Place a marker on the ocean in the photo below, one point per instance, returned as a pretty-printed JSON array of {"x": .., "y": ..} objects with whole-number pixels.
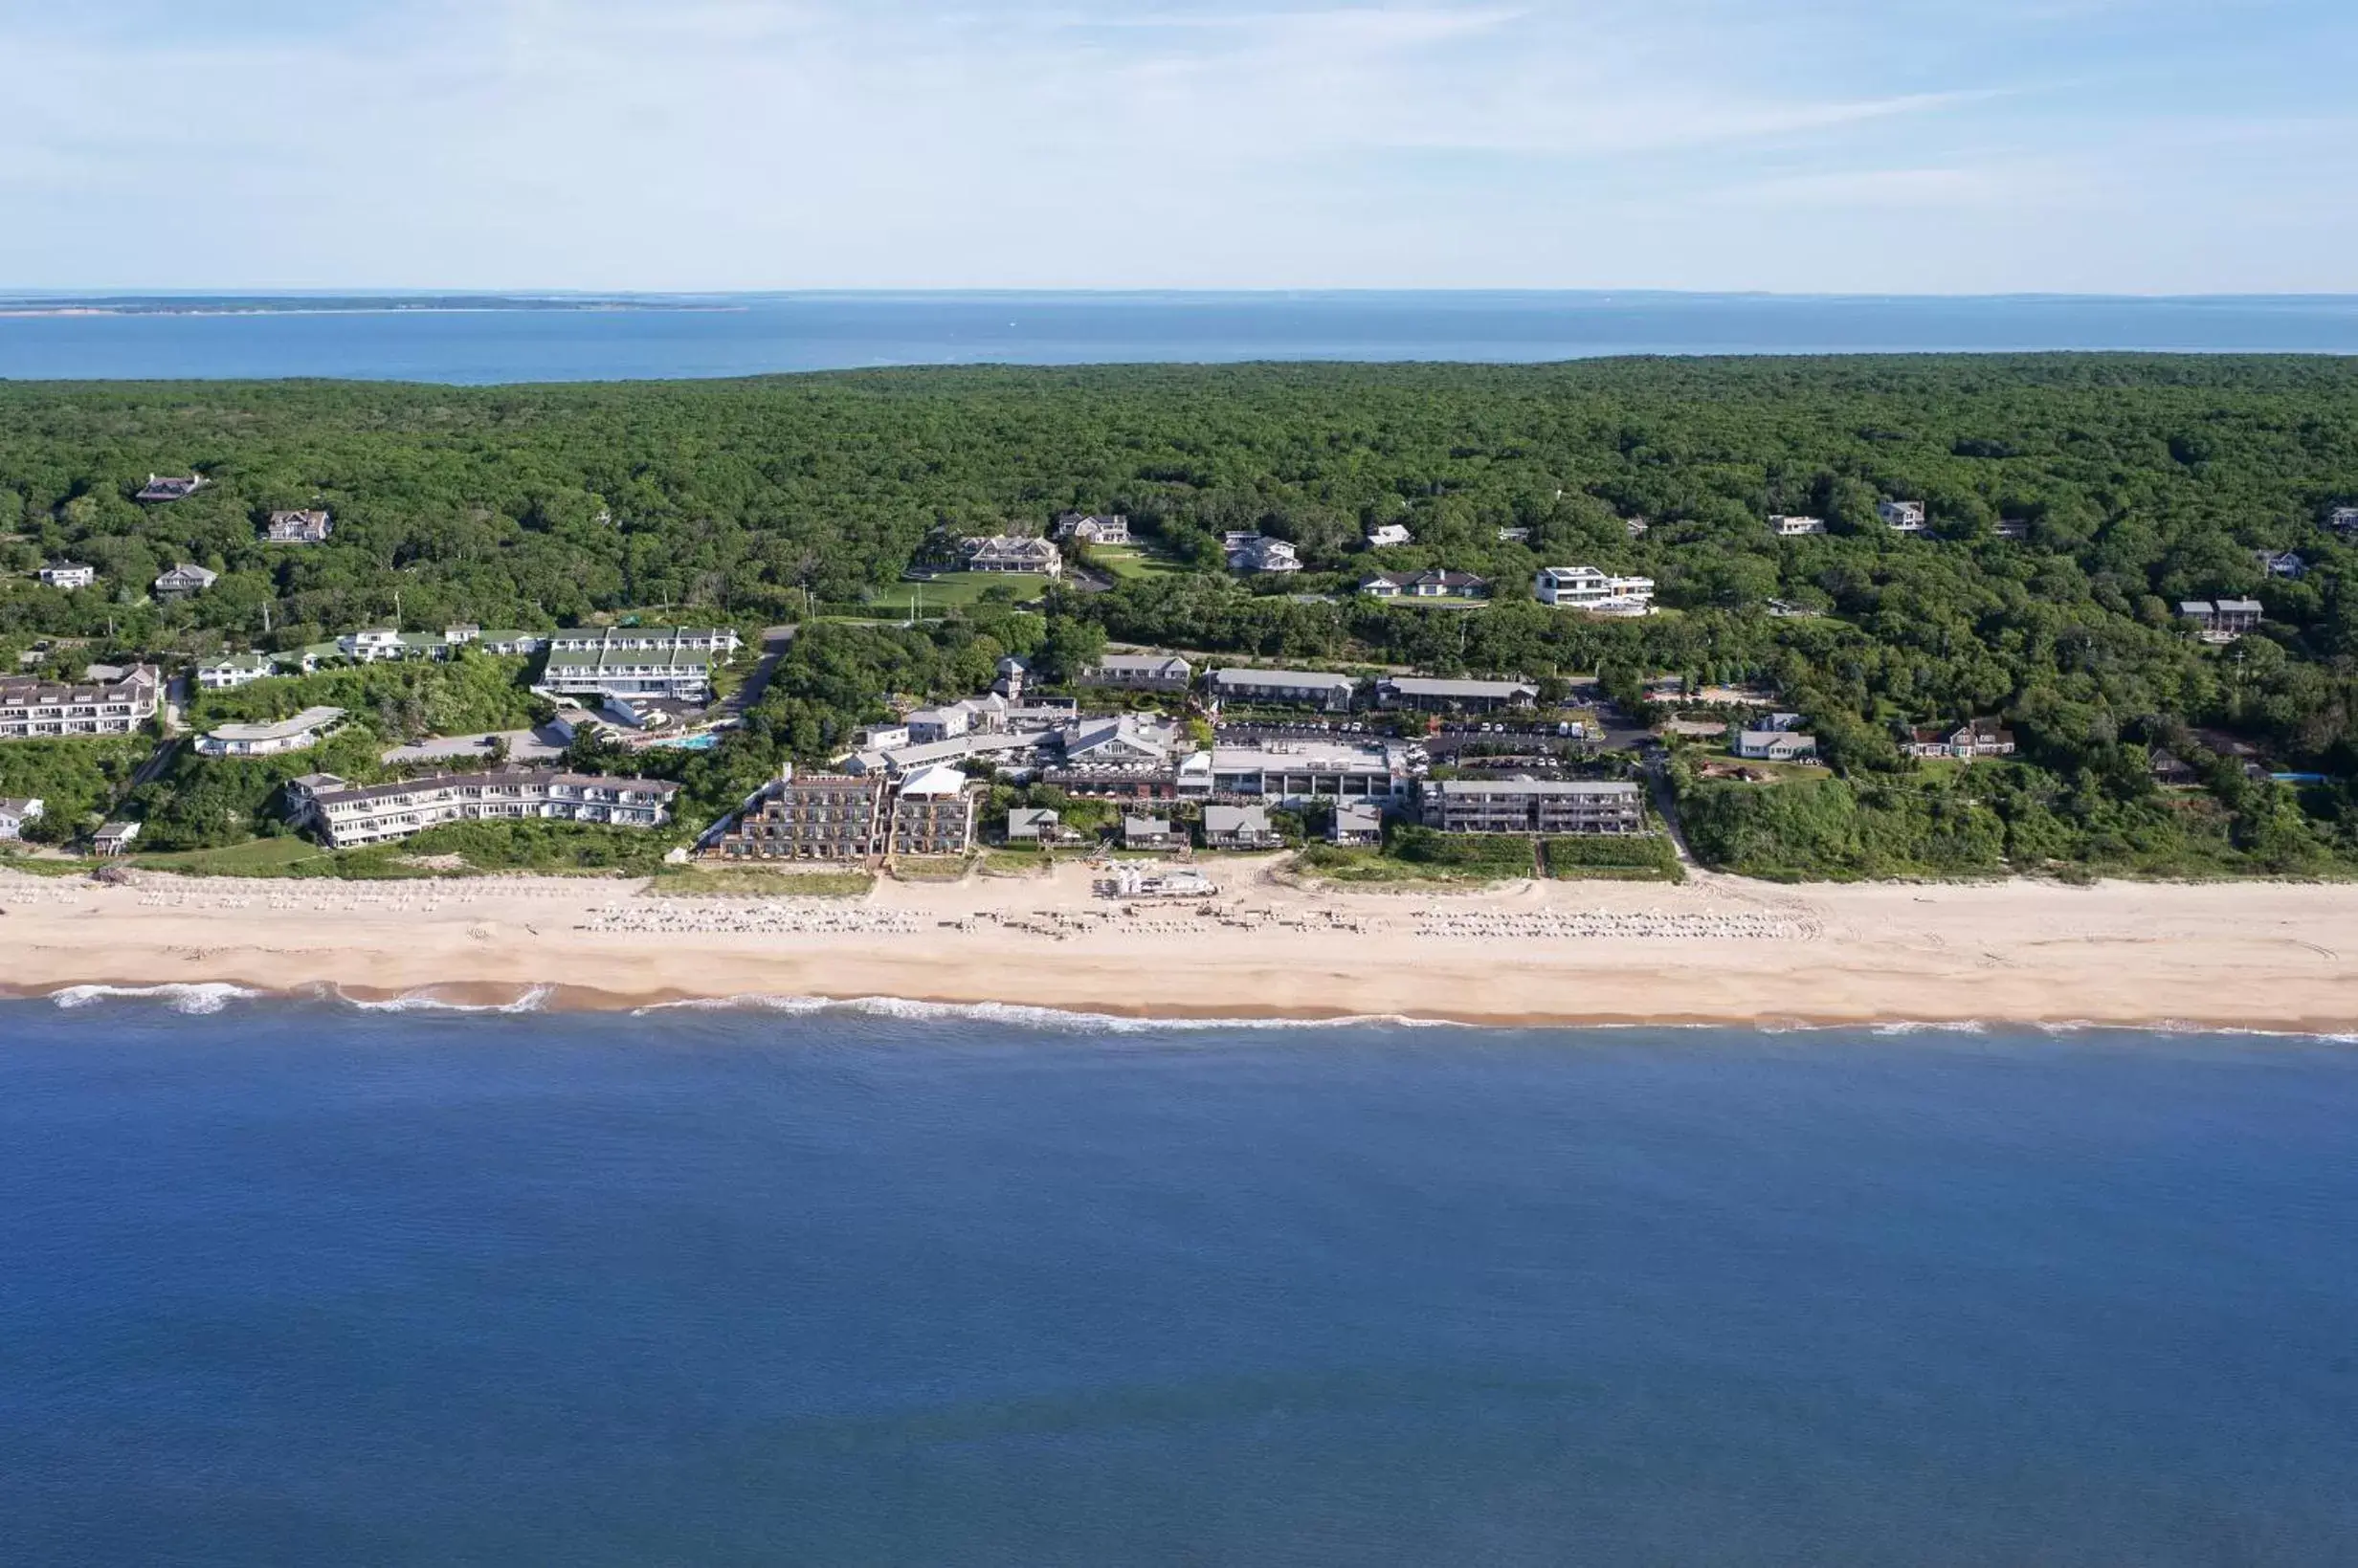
[
  {"x": 289, "y": 1282},
  {"x": 757, "y": 333}
]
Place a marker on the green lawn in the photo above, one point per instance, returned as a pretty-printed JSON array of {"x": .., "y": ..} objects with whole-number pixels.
[
  {"x": 954, "y": 591},
  {"x": 1129, "y": 563}
]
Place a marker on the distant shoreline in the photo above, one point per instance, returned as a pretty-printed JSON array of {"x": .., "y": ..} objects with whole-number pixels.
[{"x": 33, "y": 310}]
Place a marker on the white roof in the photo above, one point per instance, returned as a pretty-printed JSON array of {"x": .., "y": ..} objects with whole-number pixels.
[
  {"x": 283, "y": 729},
  {"x": 938, "y": 780}
]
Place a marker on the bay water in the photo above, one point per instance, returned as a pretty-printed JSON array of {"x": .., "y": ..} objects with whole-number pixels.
[{"x": 297, "y": 1282}]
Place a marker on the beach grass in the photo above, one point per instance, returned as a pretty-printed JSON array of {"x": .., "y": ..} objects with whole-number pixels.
[
  {"x": 256, "y": 858},
  {"x": 1646, "y": 858}
]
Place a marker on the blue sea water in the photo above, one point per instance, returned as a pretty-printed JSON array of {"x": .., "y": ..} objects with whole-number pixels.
[
  {"x": 748, "y": 335},
  {"x": 289, "y": 1283}
]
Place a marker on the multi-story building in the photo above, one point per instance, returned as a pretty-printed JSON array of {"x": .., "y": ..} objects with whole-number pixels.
[
  {"x": 2343, "y": 519},
  {"x": 33, "y": 709},
  {"x": 1240, "y": 828},
  {"x": 1788, "y": 527},
  {"x": 1140, "y": 672},
  {"x": 1299, "y": 772},
  {"x": 310, "y": 527},
  {"x": 68, "y": 575},
  {"x": 1283, "y": 688},
  {"x": 1534, "y": 806},
  {"x": 1427, "y": 694},
  {"x": 634, "y": 661},
  {"x": 933, "y": 813},
  {"x": 1584, "y": 587},
  {"x": 2221, "y": 621},
  {"x": 1356, "y": 825},
  {"x": 1976, "y": 738},
  {"x": 232, "y": 670},
  {"x": 811, "y": 816},
  {"x": 374, "y": 644},
  {"x": 345, "y": 814},
  {"x": 15, "y": 813},
  {"x": 1259, "y": 553},
  {"x": 1094, "y": 527},
  {"x": 1901, "y": 517},
  {"x": 1010, "y": 553}
]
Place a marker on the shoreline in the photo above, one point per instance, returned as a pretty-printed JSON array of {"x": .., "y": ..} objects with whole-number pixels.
[{"x": 1715, "y": 952}]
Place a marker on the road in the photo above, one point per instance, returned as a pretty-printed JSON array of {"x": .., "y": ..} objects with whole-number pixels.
[{"x": 775, "y": 641}]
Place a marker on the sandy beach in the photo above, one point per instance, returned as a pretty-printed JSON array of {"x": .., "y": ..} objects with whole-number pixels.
[{"x": 1716, "y": 950}]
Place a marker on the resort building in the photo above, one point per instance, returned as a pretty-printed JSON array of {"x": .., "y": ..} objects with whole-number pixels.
[
  {"x": 15, "y": 813},
  {"x": 1300, "y": 772},
  {"x": 114, "y": 839},
  {"x": 185, "y": 580},
  {"x": 1429, "y": 695},
  {"x": 1283, "y": 688},
  {"x": 1901, "y": 517},
  {"x": 1356, "y": 825},
  {"x": 973, "y": 715},
  {"x": 1240, "y": 828},
  {"x": 1788, "y": 527},
  {"x": 811, "y": 816},
  {"x": 2221, "y": 621},
  {"x": 33, "y": 709},
  {"x": 1388, "y": 536},
  {"x": 1981, "y": 737},
  {"x": 1154, "y": 835},
  {"x": 1094, "y": 527},
  {"x": 1534, "y": 806},
  {"x": 345, "y": 814},
  {"x": 1010, "y": 553},
  {"x": 637, "y": 661},
  {"x": 1434, "y": 584},
  {"x": 299, "y": 733},
  {"x": 68, "y": 575},
  {"x": 1259, "y": 553},
  {"x": 1140, "y": 672},
  {"x": 232, "y": 670},
  {"x": 298, "y": 528},
  {"x": 933, "y": 813},
  {"x": 161, "y": 487},
  {"x": 1586, "y": 588}
]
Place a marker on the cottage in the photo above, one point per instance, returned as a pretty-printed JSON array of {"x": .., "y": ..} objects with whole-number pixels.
[
  {"x": 2013, "y": 530},
  {"x": 33, "y": 709},
  {"x": 1010, "y": 553},
  {"x": 1388, "y": 536},
  {"x": 1258, "y": 553},
  {"x": 2284, "y": 564},
  {"x": 1153, "y": 834},
  {"x": 1775, "y": 745},
  {"x": 1785, "y": 610},
  {"x": 2343, "y": 519},
  {"x": 1425, "y": 584},
  {"x": 969, "y": 716},
  {"x": 1792, "y": 527},
  {"x": 68, "y": 575},
  {"x": 1356, "y": 825},
  {"x": 1094, "y": 527},
  {"x": 1426, "y": 694},
  {"x": 1534, "y": 806},
  {"x": 185, "y": 580},
  {"x": 167, "y": 488},
  {"x": 1599, "y": 593},
  {"x": 1977, "y": 737},
  {"x": 1514, "y": 535},
  {"x": 344, "y": 814},
  {"x": 15, "y": 813},
  {"x": 114, "y": 839},
  {"x": 232, "y": 670},
  {"x": 1635, "y": 527},
  {"x": 2169, "y": 768},
  {"x": 1039, "y": 825},
  {"x": 310, "y": 527},
  {"x": 1283, "y": 688},
  {"x": 1140, "y": 672},
  {"x": 1901, "y": 517},
  {"x": 1240, "y": 828},
  {"x": 297, "y": 734}
]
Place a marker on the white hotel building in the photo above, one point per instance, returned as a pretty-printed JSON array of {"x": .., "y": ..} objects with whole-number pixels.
[
  {"x": 345, "y": 814},
  {"x": 1600, "y": 593}
]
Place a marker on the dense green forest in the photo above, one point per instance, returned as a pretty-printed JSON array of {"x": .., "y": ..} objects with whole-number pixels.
[{"x": 2140, "y": 479}]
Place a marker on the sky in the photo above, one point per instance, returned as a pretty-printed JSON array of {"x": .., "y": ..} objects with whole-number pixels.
[{"x": 1927, "y": 146}]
